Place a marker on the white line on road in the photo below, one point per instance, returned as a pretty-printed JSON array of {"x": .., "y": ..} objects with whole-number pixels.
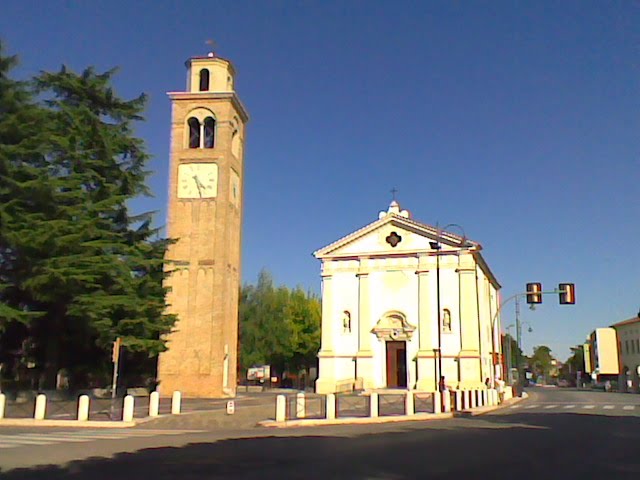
[
  {"x": 547, "y": 407},
  {"x": 609, "y": 407},
  {"x": 529, "y": 407},
  {"x": 569, "y": 406},
  {"x": 589, "y": 407},
  {"x": 628, "y": 407},
  {"x": 515, "y": 406}
]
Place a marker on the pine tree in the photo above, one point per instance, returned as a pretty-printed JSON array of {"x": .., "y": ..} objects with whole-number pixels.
[{"x": 95, "y": 271}]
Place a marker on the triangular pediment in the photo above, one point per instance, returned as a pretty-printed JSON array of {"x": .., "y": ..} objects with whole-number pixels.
[{"x": 392, "y": 235}]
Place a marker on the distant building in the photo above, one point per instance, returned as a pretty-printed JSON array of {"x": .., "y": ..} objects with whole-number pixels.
[
  {"x": 628, "y": 333},
  {"x": 381, "y": 326},
  {"x": 603, "y": 353}
]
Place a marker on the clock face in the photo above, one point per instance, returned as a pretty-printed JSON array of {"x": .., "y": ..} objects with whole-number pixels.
[{"x": 197, "y": 180}]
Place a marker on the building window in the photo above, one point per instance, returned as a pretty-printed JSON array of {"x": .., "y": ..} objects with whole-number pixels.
[
  {"x": 626, "y": 346},
  {"x": 194, "y": 132},
  {"x": 204, "y": 80},
  {"x": 393, "y": 239},
  {"x": 637, "y": 345},
  {"x": 446, "y": 321},
  {"x": 346, "y": 322},
  {"x": 209, "y": 132}
]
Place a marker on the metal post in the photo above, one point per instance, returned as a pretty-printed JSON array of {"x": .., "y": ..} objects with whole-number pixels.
[
  {"x": 438, "y": 315},
  {"x": 115, "y": 357},
  {"x": 519, "y": 343},
  {"x": 509, "y": 338}
]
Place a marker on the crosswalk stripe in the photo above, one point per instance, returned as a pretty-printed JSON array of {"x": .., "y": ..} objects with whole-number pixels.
[
  {"x": 26, "y": 439},
  {"x": 609, "y": 407},
  {"x": 589, "y": 407},
  {"x": 628, "y": 407}
]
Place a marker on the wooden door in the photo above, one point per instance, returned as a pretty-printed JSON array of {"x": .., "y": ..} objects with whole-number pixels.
[{"x": 396, "y": 365}]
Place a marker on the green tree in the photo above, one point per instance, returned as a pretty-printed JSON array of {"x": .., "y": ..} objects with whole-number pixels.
[
  {"x": 541, "y": 362},
  {"x": 90, "y": 269},
  {"x": 278, "y": 326}
]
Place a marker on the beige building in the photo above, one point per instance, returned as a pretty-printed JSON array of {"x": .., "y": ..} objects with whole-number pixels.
[
  {"x": 628, "y": 337},
  {"x": 381, "y": 325},
  {"x": 204, "y": 217},
  {"x": 603, "y": 353}
]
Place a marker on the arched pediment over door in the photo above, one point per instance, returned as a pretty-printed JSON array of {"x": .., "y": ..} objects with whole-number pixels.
[{"x": 393, "y": 326}]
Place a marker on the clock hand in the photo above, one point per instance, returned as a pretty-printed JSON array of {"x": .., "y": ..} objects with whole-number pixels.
[{"x": 199, "y": 185}]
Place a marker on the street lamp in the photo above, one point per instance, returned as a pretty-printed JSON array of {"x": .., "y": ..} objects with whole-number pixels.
[{"x": 437, "y": 246}]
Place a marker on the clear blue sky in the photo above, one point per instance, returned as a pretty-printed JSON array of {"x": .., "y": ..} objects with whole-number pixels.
[{"x": 517, "y": 120}]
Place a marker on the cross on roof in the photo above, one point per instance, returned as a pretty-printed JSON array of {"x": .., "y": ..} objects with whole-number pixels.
[{"x": 394, "y": 190}]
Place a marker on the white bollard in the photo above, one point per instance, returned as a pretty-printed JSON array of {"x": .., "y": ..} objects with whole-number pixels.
[
  {"x": 472, "y": 396},
  {"x": 281, "y": 408},
  {"x": 446, "y": 401},
  {"x": 466, "y": 399},
  {"x": 301, "y": 405},
  {"x": 41, "y": 407},
  {"x": 373, "y": 405},
  {"x": 154, "y": 404},
  {"x": 409, "y": 407},
  {"x": 485, "y": 397},
  {"x": 437, "y": 402},
  {"x": 3, "y": 401},
  {"x": 459, "y": 407},
  {"x": 496, "y": 397},
  {"x": 176, "y": 401},
  {"x": 331, "y": 406},
  {"x": 127, "y": 410},
  {"x": 83, "y": 408}
]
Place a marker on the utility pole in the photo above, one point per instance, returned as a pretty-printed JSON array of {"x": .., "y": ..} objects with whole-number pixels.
[{"x": 519, "y": 348}]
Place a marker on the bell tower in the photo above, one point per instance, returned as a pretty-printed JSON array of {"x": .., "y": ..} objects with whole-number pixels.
[{"x": 205, "y": 219}]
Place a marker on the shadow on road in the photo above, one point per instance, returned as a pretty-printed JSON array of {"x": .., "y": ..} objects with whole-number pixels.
[{"x": 526, "y": 446}]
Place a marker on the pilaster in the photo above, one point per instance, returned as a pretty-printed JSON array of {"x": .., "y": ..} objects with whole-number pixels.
[
  {"x": 426, "y": 360},
  {"x": 328, "y": 320}
]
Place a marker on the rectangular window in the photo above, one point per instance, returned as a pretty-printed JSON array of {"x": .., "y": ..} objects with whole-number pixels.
[
  {"x": 626, "y": 346},
  {"x": 637, "y": 345}
]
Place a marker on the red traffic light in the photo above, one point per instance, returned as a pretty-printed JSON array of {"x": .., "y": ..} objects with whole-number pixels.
[
  {"x": 567, "y": 292},
  {"x": 534, "y": 293}
]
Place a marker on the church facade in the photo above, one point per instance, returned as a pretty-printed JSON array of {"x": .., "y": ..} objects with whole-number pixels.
[{"x": 405, "y": 304}]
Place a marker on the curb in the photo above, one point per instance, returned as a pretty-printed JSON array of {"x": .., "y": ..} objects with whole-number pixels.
[
  {"x": 355, "y": 420},
  {"x": 485, "y": 410},
  {"x": 30, "y": 422}
]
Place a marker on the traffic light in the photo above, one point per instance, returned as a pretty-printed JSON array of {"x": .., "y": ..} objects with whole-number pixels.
[
  {"x": 567, "y": 292},
  {"x": 534, "y": 293}
]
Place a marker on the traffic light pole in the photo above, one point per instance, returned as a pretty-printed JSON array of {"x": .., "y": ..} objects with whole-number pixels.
[{"x": 516, "y": 297}]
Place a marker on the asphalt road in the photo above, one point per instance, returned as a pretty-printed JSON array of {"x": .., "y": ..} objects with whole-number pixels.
[{"x": 549, "y": 435}]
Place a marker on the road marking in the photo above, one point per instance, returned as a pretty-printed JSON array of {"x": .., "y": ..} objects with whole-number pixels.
[
  {"x": 589, "y": 407},
  {"x": 529, "y": 407},
  {"x": 547, "y": 407},
  {"x": 609, "y": 407},
  {"x": 26, "y": 439},
  {"x": 569, "y": 406},
  {"x": 629, "y": 407},
  {"x": 515, "y": 406}
]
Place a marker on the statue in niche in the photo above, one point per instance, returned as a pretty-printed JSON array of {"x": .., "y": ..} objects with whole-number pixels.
[
  {"x": 446, "y": 320},
  {"x": 346, "y": 322}
]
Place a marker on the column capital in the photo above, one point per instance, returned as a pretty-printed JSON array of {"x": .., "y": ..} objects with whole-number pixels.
[{"x": 466, "y": 270}]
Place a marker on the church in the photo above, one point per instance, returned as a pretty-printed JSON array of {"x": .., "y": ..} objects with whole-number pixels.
[{"x": 405, "y": 304}]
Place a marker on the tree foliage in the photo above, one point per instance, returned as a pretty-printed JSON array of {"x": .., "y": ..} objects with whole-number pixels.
[
  {"x": 278, "y": 326},
  {"x": 77, "y": 269},
  {"x": 541, "y": 362}
]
